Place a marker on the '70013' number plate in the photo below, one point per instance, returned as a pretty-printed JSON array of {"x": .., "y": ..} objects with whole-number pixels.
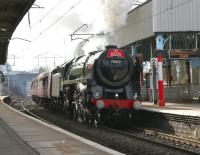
[{"x": 115, "y": 61}]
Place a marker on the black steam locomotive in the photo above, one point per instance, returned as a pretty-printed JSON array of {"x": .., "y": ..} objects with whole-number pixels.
[{"x": 103, "y": 86}]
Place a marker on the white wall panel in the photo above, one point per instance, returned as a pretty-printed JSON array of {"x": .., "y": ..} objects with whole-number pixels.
[
  {"x": 139, "y": 26},
  {"x": 176, "y": 15}
]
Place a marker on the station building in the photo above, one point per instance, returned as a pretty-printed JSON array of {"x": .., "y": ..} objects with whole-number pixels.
[{"x": 170, "y": 28}]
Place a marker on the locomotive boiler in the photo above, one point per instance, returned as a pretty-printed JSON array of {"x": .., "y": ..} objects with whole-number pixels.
[{"x": 101, "y": 87}]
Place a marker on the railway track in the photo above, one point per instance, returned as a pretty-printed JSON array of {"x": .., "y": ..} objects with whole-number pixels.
[
  {"x": 15, "y": 101},
  {"x": 19, "y": 103},
  {"x": 171, "y": 117},
  {"x": 159, "y": 138},
  {"x": 184, "y": 119}
]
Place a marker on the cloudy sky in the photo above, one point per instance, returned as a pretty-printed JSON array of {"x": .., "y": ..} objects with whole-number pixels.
[{"x": 51, "y": 25}]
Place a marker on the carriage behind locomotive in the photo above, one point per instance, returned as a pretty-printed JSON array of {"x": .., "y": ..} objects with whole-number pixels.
[{"x": 101, "y": 86}]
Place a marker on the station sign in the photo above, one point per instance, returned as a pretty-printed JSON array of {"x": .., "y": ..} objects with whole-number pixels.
[{"x": 183, "y": 54}]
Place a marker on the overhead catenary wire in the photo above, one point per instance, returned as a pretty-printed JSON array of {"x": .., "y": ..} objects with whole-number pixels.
[
  {"x": 125, "y": 12},
  {"x": 45, "y": 15},
  {"x": 53, "y": 23},
  {"x": 57, "y": 20},
  {"x": 107, "y": 19},
  {"x": 110, "y": 18}
]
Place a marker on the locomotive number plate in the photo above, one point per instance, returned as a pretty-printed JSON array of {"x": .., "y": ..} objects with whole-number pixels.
[{"x": 115, "y": 61}]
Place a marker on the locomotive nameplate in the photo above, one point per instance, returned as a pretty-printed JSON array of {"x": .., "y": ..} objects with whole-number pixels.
[{"x": 116, "y": 53}]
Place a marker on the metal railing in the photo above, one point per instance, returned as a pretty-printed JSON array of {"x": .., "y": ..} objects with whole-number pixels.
[{"x": 177, "y": 92}]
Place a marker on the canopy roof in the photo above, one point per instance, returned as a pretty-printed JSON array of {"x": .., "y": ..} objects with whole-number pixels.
[{"x": 11, "y": 13}]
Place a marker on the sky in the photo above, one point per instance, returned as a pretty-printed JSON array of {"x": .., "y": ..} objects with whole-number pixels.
[{"x": 48, "y": 35}]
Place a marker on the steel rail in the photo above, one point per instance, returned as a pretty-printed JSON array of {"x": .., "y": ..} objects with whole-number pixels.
[
  {"x": 163, "y": 139},
  {"x": 21, "y": 102}
]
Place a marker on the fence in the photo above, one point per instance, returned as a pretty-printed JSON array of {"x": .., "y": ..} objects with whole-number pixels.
[{"x": 176, "y": 93}]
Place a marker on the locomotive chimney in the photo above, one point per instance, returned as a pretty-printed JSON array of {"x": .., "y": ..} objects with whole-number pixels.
[{"x": 111, "y": 47}]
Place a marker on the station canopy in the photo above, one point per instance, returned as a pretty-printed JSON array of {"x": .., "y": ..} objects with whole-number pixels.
[{"x": 11, "y": 13}]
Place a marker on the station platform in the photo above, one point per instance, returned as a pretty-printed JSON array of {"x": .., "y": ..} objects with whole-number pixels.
[
  {"x": 186, "y": 109},
  {"x": 21, "y": 134}
]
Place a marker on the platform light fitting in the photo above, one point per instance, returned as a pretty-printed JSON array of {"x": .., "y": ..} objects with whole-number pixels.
[{"x": 3, "y": 29}]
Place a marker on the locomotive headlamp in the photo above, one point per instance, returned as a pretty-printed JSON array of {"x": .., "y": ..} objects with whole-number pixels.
[
  {"x": 137, "y": 105},
  {"x": 100, "y": 104},
  {"x": 116, "y": 95}
]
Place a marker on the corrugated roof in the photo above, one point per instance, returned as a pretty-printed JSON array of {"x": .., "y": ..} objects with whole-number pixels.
[{"x": 139, "y": 5}]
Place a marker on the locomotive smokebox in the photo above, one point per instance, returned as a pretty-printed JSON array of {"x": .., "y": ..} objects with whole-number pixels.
[
  {"x": 110, "y": 47},
  {"x": 114, "y": 67}
]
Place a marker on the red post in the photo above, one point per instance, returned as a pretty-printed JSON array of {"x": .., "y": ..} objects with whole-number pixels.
[{"x": 160, "y": 81}]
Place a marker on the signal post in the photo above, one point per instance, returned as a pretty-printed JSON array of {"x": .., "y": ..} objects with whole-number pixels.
[
  {"x": 160, "y": 52},
  {"x": 160, "y": 81}
]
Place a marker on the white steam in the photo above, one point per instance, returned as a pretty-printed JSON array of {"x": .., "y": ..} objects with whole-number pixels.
[
  {"x": 102, "y": 16},
  {"x": 95, "y": 43},
  {"x": 115, "y": 13}
]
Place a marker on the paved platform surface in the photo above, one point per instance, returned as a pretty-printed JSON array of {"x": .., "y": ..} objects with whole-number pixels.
[
  {"x": 11, "y": 144},
  {"x": 41, "y": 137},
  {"x": 174, "y": 108}
]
